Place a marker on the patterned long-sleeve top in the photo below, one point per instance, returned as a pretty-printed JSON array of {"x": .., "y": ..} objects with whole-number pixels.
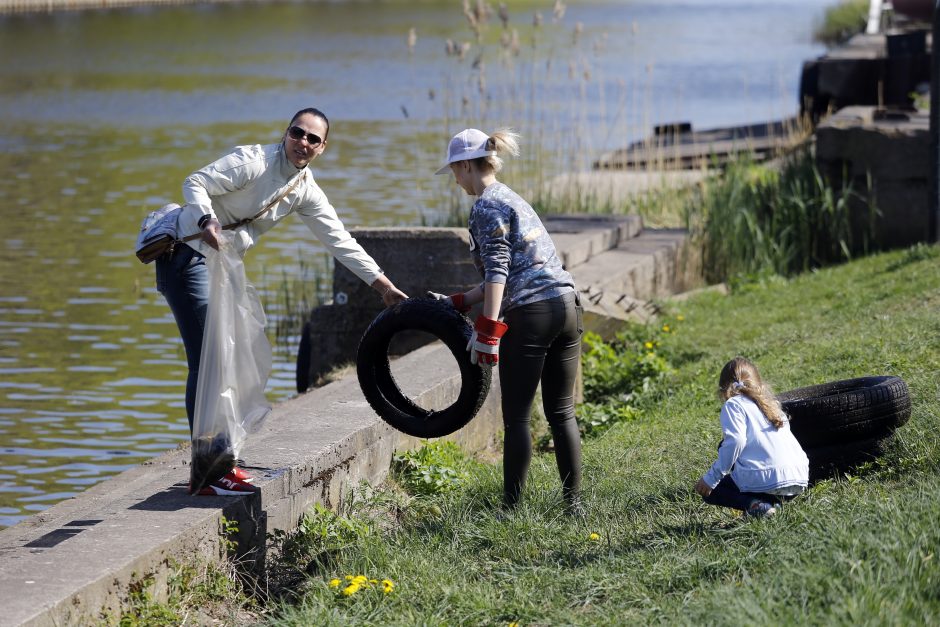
[{"x": 511, "y": 246}]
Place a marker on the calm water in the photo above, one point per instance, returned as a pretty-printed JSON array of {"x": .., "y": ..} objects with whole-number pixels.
[{"x": 102, "y": 114}]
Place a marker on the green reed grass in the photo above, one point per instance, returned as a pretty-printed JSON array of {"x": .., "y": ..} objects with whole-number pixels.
[
  {"x": 287, "y": 300},
  {"x": 842, "y": 21},
  {"x": 756, "y": 219}
]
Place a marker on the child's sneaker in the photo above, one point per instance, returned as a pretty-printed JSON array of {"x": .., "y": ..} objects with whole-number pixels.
[
  {"x": 760, "y": 509},
  {"x": 229, "y": 485}
]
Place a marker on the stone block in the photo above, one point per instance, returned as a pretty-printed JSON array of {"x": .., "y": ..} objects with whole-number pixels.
[
  {"x": 416, "y": 260},
  {"x": 883, "y": 157}
]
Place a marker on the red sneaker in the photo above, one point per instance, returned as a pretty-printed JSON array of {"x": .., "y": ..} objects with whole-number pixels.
[
  {"x": 241, "y": 475},
  {"x": 229, "y": 485}
]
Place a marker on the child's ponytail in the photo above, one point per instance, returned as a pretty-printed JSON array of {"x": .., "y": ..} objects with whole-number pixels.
[{"x": 740, "y": 376}]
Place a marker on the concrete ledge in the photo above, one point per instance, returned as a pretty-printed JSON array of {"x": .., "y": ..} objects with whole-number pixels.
[
  {"x": 74, "y": 562},
  {"x": 644, "y": 267},
  {"x": 578, "y": 238}
]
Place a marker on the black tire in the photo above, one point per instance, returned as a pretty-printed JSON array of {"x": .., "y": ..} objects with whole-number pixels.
[
  {"x": 379, "y": 387},
  {"x": 829, "y": 461},
  {"x": 840, "y": 412}
]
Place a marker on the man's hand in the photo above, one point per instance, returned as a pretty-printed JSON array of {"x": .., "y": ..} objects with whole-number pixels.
[
  {"x": 484, "y": 343},
  {"x": 702, "y": 488},
  {"x": 454, "y": 300},
  {"x": 212, "y": 233}
]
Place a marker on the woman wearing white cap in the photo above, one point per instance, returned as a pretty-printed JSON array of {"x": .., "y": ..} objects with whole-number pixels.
[{"x": 524, "y": 282}]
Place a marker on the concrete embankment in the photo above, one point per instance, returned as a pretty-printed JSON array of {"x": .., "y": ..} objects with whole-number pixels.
[{"x": 76, "y": 562}]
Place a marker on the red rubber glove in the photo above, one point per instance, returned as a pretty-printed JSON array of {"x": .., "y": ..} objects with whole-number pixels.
[
  {"x": 454, "y": 300},
  {"x": 484, "y": 343},
  {"x": 457, "y": 301}
]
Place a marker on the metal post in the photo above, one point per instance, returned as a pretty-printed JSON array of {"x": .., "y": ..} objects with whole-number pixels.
[
  {"x": 874, "y": 17},
  {"x": 933, "y": 220}
]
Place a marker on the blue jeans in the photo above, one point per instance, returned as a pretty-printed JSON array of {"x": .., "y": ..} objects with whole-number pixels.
[
  {"x": 727, "y": 494},
  {"x": 183, "y": 280}
]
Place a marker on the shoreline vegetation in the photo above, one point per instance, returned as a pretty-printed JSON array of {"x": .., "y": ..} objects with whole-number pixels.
[{"x": 841, "y": 22}]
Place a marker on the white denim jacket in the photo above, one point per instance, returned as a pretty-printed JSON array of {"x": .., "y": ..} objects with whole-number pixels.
[
  {"x": 759, "y": 456},
  {"x": 241, "y": 183}
]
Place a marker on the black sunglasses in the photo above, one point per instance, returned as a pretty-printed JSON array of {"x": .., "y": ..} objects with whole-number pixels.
[{"x": 297, "y": 133}]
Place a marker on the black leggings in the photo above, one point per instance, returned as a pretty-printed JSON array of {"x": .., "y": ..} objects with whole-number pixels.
[{"x": 543, "y": 343}]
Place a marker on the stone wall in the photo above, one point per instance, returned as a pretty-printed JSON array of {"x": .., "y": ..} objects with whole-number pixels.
[
  {"x": 416, "y": 259},
  {"x": 883, "y": 156}
]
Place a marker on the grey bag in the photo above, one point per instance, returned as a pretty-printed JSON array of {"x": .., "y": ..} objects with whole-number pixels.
[{"x": 157, "y": 235}]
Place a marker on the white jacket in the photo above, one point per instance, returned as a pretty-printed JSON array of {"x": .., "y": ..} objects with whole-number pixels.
[
  {"x": 759, "y": 456},
  {"x": 241, "y": 183}
]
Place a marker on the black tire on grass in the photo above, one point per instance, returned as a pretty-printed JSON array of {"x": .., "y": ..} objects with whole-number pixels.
[
  {"x": 838, "y": 413},
  {"x": 379, "y": 387},
  {"x": 830, "y": 461}
]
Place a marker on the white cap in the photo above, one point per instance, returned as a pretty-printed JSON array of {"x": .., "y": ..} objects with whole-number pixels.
[{"x": 469, "y": 143}]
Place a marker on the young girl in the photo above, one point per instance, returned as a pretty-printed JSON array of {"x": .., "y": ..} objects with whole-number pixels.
[
  {"x": 539, "y": 338},
  {"x": 760, "y": 464}
]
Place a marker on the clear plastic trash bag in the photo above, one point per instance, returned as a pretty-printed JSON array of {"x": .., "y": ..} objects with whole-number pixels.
[{"x": 233, "y": 371}]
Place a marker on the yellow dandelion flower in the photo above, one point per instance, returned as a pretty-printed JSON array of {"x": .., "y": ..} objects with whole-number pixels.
[
  {"x": 665, "y": 328},
  {"x": 349, "y": 577},
  {"x": 373, "y": 581},
  {"x": 680, "y": 317},
  {"x": 351, "y": 589},
  {"x": 513, "y": 624},
  {"x": 360, "y": 579},
  {"x": 387, "y": 586},
  {"x": 648, "y": 345},
  {"x": 334, "y": 583},
  {"x": 594, "y": 537}
]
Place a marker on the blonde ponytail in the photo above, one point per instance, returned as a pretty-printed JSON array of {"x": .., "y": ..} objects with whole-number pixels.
[
  {"x": 504, "y": 140},
  {"x": 740, "y": 376}
]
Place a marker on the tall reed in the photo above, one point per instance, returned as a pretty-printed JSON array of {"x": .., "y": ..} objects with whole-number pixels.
[
  {"x": 756, "y": 219},
  {"x": 842, "y": 21}
]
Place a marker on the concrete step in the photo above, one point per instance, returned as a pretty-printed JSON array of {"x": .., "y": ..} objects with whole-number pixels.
[
  {"x": 578, "y": 238},
  {"x": 643, "y": 267},
  {"x": 621, "y": 285}
]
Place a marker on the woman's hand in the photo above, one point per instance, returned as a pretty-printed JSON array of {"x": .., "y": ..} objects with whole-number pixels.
[
  {"x": 392, "y": 296},
  {"x": 212, "y": 233},
  {"x": 702, "y": 488}
]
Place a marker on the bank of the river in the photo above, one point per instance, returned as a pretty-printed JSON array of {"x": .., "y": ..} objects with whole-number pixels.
[
  {"x": 104, "y": 112},
  {"x": 859, "y": 548}
]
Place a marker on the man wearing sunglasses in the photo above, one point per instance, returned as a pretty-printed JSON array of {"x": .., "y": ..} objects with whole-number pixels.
[{"x": 248, "y": 191}]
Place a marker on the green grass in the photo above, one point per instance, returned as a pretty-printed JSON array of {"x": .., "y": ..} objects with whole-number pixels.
[
  {"x": 858, "y": 549},
  {"x": 842, "y": 21}
]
